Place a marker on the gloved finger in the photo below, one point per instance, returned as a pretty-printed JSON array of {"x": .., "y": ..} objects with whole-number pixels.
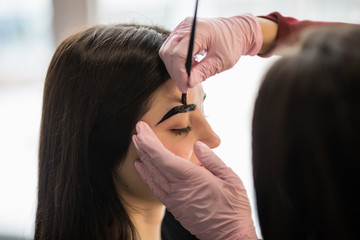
[
  {"x": 138, "y": 149},
  {"x": 208, "y": 67},
  {"x": 174, "y": 59},
  {"x": 146, "y": 140},
  {"x": 179, "y": 55},
  {"x": 168, "y": 41},
  {"x": 166, "y": 50},
  {"x": 148, "y": 179},
  {"x": 178, "y": 70},
  {"x": 183, "y": 26},
  {"x": 171, "y": 166},
  {"x": 215, "y": 165},
  {"x": 173, "y": 34},
  {"x": 165, "y": 45},
  {"x": 210, "y": 160},
  {"x": 146, "y": 160},
  {"x": 157, "y": 176}
]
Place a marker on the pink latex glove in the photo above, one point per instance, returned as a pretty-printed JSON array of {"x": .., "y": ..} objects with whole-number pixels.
[
  {"x": 209, "y": 201},
  {"x": 224, "y": 39}
]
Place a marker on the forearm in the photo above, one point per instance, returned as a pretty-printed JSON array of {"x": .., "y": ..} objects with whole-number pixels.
[
  {"x": 279, "y": 30},
  {"x": 269, "y": 30}
]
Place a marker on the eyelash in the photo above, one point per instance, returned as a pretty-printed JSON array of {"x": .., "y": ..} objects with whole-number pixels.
[{"x": 181, "y": 131}]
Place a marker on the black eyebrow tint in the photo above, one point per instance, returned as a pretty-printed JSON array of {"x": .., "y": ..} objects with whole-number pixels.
[{"x": 176, "y": 110}]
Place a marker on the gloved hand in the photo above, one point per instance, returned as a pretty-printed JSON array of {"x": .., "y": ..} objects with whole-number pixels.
[
  {"x": 224, "y": 39},
  {"x": 210, "y": 200}
]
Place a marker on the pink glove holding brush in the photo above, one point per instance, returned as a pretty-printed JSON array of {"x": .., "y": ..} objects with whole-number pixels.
[{"x": 224, "y": 39}]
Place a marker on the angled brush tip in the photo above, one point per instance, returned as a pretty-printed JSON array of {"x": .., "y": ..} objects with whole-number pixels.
[{"x": 184, "y": 98}]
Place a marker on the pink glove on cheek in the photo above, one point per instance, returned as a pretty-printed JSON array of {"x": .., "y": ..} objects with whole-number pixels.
[
  {"x": 209, "y": 201},
  {"x": 224, "y": 39}
]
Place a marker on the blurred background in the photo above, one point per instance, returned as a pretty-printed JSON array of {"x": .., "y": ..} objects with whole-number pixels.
[{"x": 29, "y": 34}]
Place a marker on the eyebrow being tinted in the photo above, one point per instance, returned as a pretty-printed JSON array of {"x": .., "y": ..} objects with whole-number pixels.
[{"x": 176, "y": 110}]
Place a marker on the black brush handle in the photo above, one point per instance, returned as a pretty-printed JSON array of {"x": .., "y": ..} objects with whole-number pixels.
[{"x": 191, "y": 44}]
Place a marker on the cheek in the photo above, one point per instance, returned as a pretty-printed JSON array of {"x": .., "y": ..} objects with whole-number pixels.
[
  {"x": 179, "y": 145},
  {"x": 129, "y": 184}
]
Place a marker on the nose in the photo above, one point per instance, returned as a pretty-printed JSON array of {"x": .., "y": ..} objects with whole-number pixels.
[{"x": 207, "y": 135}]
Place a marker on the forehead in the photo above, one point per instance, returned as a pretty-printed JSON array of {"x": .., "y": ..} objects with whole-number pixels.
[
  {"x": 169, "y": 94},
  {"x": 167, "y": 97}
]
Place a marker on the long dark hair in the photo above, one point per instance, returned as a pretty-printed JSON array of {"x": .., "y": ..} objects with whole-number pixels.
[
  {"x": 99, "y": 83},
  {"x": 306, "y": 138}
]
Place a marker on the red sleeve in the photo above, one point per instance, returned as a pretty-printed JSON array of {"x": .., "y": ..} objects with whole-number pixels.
[{"x": 289, "y": 29}]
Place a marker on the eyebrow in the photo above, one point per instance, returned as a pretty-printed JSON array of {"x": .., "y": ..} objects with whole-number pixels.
[{"x": 176, "y": 110}]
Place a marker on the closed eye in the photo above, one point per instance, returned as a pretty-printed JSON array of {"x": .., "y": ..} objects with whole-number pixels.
[{"x": 181, "y": 131}]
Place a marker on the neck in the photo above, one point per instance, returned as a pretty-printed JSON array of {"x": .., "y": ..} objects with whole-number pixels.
[{"x": 147, "y": 218}]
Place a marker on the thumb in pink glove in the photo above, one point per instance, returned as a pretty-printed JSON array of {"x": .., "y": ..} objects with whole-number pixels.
[
  {"x": 224, "y": 39},
  {"x": 209, "y": 201}
]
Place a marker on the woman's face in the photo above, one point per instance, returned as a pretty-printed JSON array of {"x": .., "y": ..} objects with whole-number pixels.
[{"x": 178, "y": 128}]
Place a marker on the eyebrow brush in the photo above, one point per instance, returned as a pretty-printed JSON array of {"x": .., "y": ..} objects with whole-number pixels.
[
  {"x": 189, "y": 57},
  {"x": 184, "y": 98}
]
